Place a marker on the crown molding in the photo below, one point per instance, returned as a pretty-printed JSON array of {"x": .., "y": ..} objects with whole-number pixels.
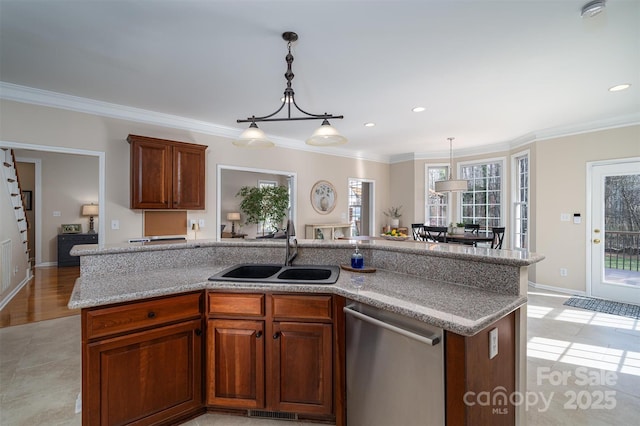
[{"x": 30, "y": 95}]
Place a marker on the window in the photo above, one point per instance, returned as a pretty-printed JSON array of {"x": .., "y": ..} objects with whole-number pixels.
[
  {"x": 482, "y": 204},
  {"x": 355, "y": 205},
  {"x": 436, "y": 204},
  {"x": 521, "y": 201}
]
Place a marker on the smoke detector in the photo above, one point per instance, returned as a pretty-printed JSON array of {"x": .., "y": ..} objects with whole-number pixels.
[{"x": 593, "y": 8}]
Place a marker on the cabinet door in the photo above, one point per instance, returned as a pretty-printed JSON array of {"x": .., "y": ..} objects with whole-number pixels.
[
  {"x": 188, "y": 177},
  {"x": 146, "y": 377},
  {"x": 235, "y": 363},
  {"x": 301, "y": 377},
  {"x": 150, "y": 174}
]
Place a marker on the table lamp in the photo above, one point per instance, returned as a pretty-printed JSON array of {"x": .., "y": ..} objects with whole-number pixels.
[
  {"x": 90, "y": 210},
  {"x": 195, "y": 227},
  {"x": 233, "y": 217}
]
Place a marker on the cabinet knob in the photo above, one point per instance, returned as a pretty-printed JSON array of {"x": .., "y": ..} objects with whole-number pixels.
[
  {"x": 275, "y": 336},
  {"x": 258, "y": 334},
  {"x": 198, "y": 332},
  {"x": 151, "y": 314}
]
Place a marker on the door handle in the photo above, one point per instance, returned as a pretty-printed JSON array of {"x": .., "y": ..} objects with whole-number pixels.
[{"x": 596, "y": 241}]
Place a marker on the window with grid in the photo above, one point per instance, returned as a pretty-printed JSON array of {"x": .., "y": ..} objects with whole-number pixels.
[
  {"x": 436, "y": 204},
  {"x": 355, "y": 205},
  {"x": 482, "y": 204},
  {"x": 521, "y": 203}
]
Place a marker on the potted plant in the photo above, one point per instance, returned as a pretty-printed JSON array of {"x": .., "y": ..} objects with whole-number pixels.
[
  {"x": 394, "y": 214},
  {"x": 457, "y": 228},
  {"x": 267, "y": 205}
]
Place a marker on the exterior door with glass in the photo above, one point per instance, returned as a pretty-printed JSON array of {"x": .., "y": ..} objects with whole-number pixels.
[{"x": 614, "y": 242}]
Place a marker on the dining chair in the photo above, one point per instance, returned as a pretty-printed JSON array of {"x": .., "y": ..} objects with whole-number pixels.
[
  {"x": 437, "y": 234},
  {"x": 418, "y": 231},
  {"x": 474, "y": 228},
  {"x": 498, "y": 236}
]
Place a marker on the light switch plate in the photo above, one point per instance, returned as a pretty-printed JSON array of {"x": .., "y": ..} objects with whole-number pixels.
[{"x": 493, "y": 343}]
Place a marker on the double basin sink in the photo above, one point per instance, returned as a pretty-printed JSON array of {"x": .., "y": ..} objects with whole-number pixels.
[{"x": 279, "y": 274}]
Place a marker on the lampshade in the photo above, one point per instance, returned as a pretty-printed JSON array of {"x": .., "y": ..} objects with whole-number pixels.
[
  {"x": 195, "y": 226},
  {"x": 326, "y": 135},
  {"x": 90, "y": 210},
  {"x": 451, "y": 185},
  {"x": 233, "y": 216},
  {"x": 253, "y": 137}
]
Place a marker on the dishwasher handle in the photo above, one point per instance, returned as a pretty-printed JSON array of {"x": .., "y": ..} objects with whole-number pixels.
[{"x": 366, "y": 318}]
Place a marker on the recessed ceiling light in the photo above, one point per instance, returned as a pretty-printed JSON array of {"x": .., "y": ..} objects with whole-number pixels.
[
  {"x": 369, "y": 124},
  {"x": 619, "y": 87},
  {"x": 418, "y": 109},
  {"x": 592, "y": 8}
]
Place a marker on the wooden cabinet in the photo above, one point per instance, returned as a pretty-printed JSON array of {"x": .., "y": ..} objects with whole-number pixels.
[
  {"x": 470, "y": 371},
  {"x": 66, "y": 243},
  {"x": 272, "y": 352},
  {"x": 166, "y": 174},
  {"x": 142, "y": 361}
]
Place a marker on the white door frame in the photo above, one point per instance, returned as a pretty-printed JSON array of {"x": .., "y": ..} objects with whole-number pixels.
[
  {"x": 101, "y": 187},
  {"x": 372, "y": 201},
  {"x": 589, "y": 216}
]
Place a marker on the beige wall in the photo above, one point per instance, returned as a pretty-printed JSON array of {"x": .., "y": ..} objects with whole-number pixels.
[
  {"x": 561, "y": 187},
  {"x": 404, "y": 185},
  {"x": 31, "y": 124},
  {"x": 558, "y": 185}
]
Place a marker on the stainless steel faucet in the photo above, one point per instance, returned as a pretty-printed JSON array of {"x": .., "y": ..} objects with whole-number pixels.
[{"x": 289, "y": 233}]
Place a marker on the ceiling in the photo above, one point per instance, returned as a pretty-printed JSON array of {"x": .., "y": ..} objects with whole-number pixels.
[{"x": 487, "y": 72}]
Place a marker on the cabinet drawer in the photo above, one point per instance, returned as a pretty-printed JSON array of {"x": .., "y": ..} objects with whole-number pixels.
[
  {"x": 301, "y": 307},
  {"x": 236, "y": 304},
  {"x": 118, "y": 319}
]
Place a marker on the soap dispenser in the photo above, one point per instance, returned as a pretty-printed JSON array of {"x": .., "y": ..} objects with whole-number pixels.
[{"x": 357, "y": 260}]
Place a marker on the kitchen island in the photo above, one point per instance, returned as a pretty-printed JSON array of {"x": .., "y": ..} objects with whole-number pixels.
[{"x": 461, "y": 289}]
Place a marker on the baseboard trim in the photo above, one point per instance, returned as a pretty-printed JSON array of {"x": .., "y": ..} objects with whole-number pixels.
[
  {"x": 557, "y": 289},
  {"x": 45, "y": 264},
  {"x": 5, "y": 301}
]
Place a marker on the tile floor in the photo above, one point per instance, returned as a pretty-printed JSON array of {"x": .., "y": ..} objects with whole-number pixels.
[{"x": 40, "y": 370}]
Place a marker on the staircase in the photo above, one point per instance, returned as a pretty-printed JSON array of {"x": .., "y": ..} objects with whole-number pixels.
[{"x": 10, "y": 177}]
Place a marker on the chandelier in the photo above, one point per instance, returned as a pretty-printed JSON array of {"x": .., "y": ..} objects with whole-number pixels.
[
  {"x": 451, "y": 185},
  {"x": 325, "y": 135}
]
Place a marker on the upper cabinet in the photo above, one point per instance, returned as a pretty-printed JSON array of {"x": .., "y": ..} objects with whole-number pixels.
[{"x": 166, "y": 174}]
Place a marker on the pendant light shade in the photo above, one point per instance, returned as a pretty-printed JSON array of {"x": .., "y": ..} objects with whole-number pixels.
[
  {"x": 451, "y": 185},
  {"x": 253, "y": 137},
  {"x": 326, "y": 135}
]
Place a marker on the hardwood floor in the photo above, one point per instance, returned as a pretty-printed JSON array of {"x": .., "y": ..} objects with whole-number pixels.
[{"x": 44, "y": 297}]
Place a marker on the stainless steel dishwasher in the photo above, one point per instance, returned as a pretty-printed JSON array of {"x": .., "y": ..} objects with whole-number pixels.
[{"x": 394, "y": 368}]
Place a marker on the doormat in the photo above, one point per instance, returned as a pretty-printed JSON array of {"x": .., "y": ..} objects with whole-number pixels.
[{"x": 604, "y": 306}]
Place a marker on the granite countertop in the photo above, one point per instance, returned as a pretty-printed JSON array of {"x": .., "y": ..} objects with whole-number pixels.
[
  {"x": 452, "y": 251},
  {"x": 457, "y": 308}
]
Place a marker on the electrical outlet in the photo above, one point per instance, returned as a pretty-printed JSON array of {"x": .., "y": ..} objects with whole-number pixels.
[
  {"x": 493, "y": 343},
  {"x": 56, "y": 214},
  {"x": 564, "y": 217},
  {"x": 201, "y": 223},
  {"x": 564, "y": 272},
  {"x": 115, "y": 224}
]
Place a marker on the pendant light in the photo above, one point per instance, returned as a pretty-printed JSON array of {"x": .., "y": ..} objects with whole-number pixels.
[
  {"x": 451, "y": 185},
  {"x": 325, "y": 135}
]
